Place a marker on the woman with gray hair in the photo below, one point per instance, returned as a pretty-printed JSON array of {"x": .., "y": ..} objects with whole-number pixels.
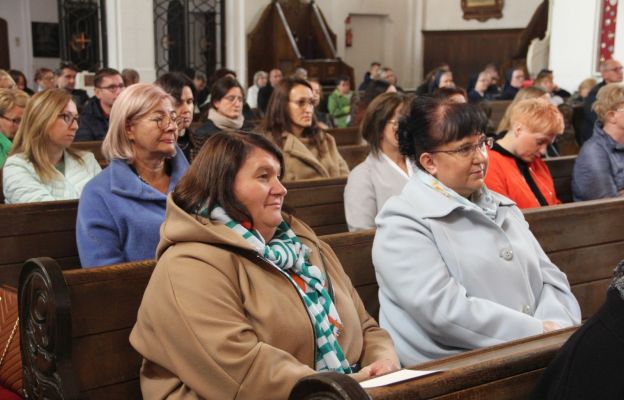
[
  {"x": 599, "y": 167},
  {"x": 121, "y": 209},
  {"x": 260, "y": 80}
]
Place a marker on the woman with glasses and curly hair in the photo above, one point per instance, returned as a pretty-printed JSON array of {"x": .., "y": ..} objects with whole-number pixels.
[
  {"x": 41, "y": 165},
  {"x": 121, "y": 210},
  {"x": 457, "y": 266},
  {"x": 309, "y": 152}
]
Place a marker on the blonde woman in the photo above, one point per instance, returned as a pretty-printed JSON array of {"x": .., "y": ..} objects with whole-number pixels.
[
  {"x": 41, "y": 165},
  {"x": 6, "y": 82},
  {"x": 12, "y": 103},
  {"x": 121, "y": 210}
]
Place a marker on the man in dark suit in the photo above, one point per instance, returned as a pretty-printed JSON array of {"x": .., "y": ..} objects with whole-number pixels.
[{"x": 66, "y": 79}]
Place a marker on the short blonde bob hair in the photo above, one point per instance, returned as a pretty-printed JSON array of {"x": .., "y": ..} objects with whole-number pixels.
[
  {"x": 133, "y": 104},
  {"x": 10, "y": 98},
  {"x": 538, "y": 115},
  {"x": 609, "y": 98},
  {"x": 32, "y": 137}
]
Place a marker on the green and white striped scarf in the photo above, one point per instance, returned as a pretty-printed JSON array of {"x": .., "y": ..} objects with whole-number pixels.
[{"x": 289, "y": 256}]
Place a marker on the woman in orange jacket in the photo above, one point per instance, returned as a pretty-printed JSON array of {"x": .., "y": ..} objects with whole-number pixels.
[{"x": 516, "y": 167}]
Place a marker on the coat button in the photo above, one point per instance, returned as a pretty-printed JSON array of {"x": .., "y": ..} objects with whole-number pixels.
[
  {"x": 506, "y": 254},
  {"x": 526, "y": 309}
]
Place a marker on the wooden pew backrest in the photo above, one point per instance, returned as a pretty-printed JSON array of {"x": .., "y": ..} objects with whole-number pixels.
[
  {"x": 76, "y": 323},
  {"x": 561, "y": 170},
  {"x": 354, "y": 154},
  {"x": 346, "y": 136},
  {"x": 36, "y": 230},
  {"x": 319, "y": 203},
  {"x": 94, "y": 147}
]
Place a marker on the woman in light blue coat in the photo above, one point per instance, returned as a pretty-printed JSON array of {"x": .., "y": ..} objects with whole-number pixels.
[{"x": 456, "y": 264}]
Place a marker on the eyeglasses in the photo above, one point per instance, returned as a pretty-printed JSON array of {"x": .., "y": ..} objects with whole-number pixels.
[
  {"x": 113, "y": 88},
  {"x": 468, "y": 150},
  {"x": 232, "y": 98},
  {"x": 164, "y": 122},
  {"x": 302, "y": 103},
  {"x": 69, "y": 118},
  {"x": 14, "y": 121}
]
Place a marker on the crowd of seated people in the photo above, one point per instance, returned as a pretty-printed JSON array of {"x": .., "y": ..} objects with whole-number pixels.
[{"x": 211, "y": 200}]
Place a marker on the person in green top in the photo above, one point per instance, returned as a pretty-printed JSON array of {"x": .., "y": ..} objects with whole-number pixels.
[
  {"x": 339, "y": 102},
  {"x": 12, "y": 104}
]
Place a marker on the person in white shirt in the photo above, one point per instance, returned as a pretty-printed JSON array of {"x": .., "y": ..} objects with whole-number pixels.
[
  {"x": 385, "y": 171},
  {"x": 260, "y": 79},
  {"x": 41, "y": 165}
]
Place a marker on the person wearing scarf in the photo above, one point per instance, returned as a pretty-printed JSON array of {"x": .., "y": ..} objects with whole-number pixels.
[
  {"x": 227, "y": 100},
  {"x": 457, "y": 267},
  {"x": 245, "y": 300}
]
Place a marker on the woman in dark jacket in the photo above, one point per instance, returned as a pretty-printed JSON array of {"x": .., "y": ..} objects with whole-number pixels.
[{"x": 513, "y": 83}]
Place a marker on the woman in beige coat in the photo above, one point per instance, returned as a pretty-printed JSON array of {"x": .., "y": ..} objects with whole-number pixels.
[
  {"x": 231, "y": 309},
  {"x": 309, "y": 152}
]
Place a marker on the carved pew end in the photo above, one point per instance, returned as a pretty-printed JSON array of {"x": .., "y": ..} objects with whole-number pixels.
[
  {"x": 328, "y": 386},
  {"x": 45, "y": 331}
]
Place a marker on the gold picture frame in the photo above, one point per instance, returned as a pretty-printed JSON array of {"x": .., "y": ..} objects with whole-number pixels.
[{"x": 482, "y": 10}]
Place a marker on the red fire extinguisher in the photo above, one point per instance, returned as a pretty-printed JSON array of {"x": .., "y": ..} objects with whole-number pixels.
[{"x": 348, "y": 32}]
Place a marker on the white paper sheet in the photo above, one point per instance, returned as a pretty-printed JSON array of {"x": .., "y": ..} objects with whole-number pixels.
[{"x": 394, "y": 377}]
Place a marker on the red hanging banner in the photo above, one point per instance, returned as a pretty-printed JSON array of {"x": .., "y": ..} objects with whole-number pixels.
[{"x": 608, "y": 22}]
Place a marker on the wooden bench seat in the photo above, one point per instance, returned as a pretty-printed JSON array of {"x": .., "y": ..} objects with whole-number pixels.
[
  {"x": 347, "y": 136},
  {"x": 504, "y": 372}
]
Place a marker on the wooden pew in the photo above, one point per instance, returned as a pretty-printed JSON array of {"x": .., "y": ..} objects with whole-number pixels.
[
  {"x": 49, "y": 228},
  {"x": 93, "y": 310},
  {"x": 354, "y": 154},
  {"x": 74, "y": 327},
  {"x": 498, "y": 110},
  {"x": 94, "y": 147},
  {"x": 561, "y": 171},
  {"x": 318, "y": 202},
  {"x": 35, "y": 230},
  {"x": 346, "y": 136},
  {"x": 584, "y": 240},
  {"x": 504, "y": 372}
]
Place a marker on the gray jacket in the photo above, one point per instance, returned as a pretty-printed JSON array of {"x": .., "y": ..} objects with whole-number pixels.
[
  {"x": 599, "y": 167},
  {"x": 368, "y": 187},
  {"x": 451, "y": 279}
]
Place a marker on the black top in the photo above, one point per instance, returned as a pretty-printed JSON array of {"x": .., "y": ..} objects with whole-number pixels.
[{"x": 523, "y": 166}]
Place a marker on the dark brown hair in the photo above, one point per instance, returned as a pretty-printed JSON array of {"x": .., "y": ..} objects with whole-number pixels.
[
  {"x": 378, "y": 114},
  {"x": 221, "y": 87},
  {"x": 277, "y": 119},
  {"x": 432, "y": 122},
  {"x": 209, "y": 181}
]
